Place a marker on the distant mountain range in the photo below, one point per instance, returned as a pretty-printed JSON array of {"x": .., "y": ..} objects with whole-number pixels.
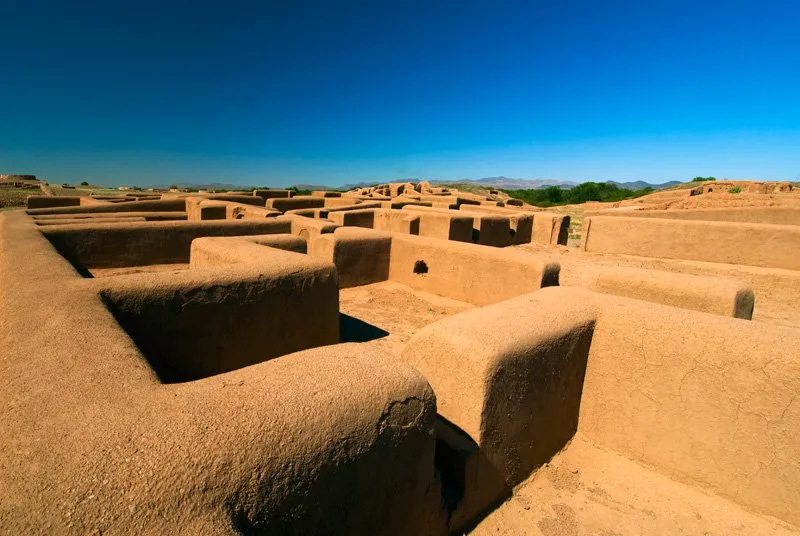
[
  {"x": 518, "y": 184},
  {"x": 488, "y": 182}
]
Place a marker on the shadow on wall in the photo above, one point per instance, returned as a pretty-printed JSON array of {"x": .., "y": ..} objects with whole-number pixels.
[{"x": 352, "y": 329}]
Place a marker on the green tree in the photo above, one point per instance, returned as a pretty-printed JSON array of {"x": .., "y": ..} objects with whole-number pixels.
[
  {"x": 298, "y": 191},
  {"x": 588, "y": 191}
]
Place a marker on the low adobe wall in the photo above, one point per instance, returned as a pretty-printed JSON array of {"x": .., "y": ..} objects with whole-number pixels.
[
  {"x": 250, "y": 301},
  {"x": 284, "y": 204},
  {"x": 770, "y": 246},
  {"x": 772, "y": 215},
  {"x": 92, "y": 440},
  {"x": 52, "y": 201},
  {"x": 111, "y": 216},
  {"x": 271, "y": 194},
  {"x": 550, "y": 228},
  {"x": 361, "y": 256},
  {"x": 162, "y": 205},
  {"x": 508, "y": 381},
  {"x": 309, "y": 228},
  {"x": 396, "y": 221},
  {"x": 236, "y": 198},
  {"x": 326, "y": 193},
  {"x": 388, "y": 220},
  {"x": 357, "y": 206},
  {"x": 715, "y": 295},
  {"x": 287, "y": 242},
  {"x": 109, "y": 245},
  {"x": 485, "y": 229},
  {"x": 521, "y": 223},
  {"x": 199, "y": 208},
  {"x": 465, "y": 272},
  {"x": 84, "y": 221},
  {"x": 705, "y": 400}
]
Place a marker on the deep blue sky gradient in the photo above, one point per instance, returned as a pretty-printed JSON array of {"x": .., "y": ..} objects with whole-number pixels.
[{"x": 332, "y": 92}]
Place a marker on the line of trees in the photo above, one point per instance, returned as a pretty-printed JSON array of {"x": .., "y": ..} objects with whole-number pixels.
[{"x": 588, "y": 191}]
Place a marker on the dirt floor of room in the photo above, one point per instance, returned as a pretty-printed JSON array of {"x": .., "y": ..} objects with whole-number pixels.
[
  {"x": 394, "y": 311},
  {"x": 586, "y": 491}
]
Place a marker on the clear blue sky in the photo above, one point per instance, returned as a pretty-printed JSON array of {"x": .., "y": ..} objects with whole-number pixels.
[{"x": 282, "y": 92}]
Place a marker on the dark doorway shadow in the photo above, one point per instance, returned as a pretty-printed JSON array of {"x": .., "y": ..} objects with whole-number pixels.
[{"x": 352, "y": 329}]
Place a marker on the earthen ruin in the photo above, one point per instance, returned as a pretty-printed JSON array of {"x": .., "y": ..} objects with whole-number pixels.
[{"x": 402, "y": 359}]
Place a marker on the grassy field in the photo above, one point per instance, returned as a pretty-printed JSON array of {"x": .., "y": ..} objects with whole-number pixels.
[{"x": 15, "y": 197}]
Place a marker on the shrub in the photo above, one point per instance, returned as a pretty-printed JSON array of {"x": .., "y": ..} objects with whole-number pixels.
[
  {"x": 703, "y": 179},
  {"x": 588, "y": 191},
  {"x": 734, "y": 190}
]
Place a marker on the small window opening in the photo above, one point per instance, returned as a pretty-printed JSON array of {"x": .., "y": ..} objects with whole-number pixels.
[{"x": 420, "y": 267}]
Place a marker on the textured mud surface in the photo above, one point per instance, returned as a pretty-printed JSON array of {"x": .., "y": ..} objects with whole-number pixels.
[{"x": 588, "y": 491}]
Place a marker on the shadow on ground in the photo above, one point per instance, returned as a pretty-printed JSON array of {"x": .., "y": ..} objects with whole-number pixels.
[{"x": 352, "y": 329}]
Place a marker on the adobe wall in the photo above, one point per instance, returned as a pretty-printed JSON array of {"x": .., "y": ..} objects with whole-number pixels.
[
  {"x": 443, "y": 224},
  {"x": 108, "y": 245},
  {"x": 485, "y": 229},
  {"x": 510, "y": 377},
  {"x": 772, "y": 215},
  {"x": 162, "y": 205},
  {"x": 450, "y": 199},
  {"x": 705, "y": 400},
  {"x": 353, "y": 218},
  {"x": 361, "y": 256},
  {"x": 400, "y": 202},
  {"x": 715, "y": 295},
  {"x": 111, "y": 216},
  {"x": 467, "y": 272},
  {"x": 52, "y": 201},
  {"x": 84, "y": 221},
  {"x": 200, "y": 208},
  {"x": 332, "y": 202},
  {"x": 520, "y": 222},
  {"x": 270, "y": 194},
  {"x": 231, "y": 198},
  {"x": 89, "y": 201},
  {"x": 309, "y": 228},
  {"x": 396, "y": 221},
  {"x": 771, "y": 246},
  {"x": 550, "y": 228},
  {"x": 284, "y": 204},
  {"x": 251, "y": 303},
  {"x": 358, "y": 206},
  {"x": 286, "y": 242},
  {"x": 457, "y": 270},
  {"x": 94, "y": 442}
]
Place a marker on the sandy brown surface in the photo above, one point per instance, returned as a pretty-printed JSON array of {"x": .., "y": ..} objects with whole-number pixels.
[
  {"x": 148, "y": 269},
  {"x": 396, "y": 310},
  {"x": 584, "y": 490},
  {"x": 588, "y": 491},
  {"x": 777, "y": 291}
]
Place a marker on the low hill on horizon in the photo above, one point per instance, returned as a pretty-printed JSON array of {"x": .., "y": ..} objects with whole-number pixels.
[{"x": 504, "y": 183}]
